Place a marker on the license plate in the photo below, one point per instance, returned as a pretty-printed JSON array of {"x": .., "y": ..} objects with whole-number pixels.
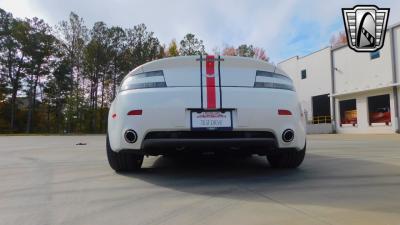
[{"x": 211, "y": 120}]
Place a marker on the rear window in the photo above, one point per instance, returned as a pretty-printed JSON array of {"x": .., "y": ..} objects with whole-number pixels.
[
  {"x": 151, "y": 79},
  {"x": 265, "y": 79}
]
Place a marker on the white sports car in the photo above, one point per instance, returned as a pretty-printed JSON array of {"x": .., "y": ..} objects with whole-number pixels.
[{"x": 206, "y": 104}]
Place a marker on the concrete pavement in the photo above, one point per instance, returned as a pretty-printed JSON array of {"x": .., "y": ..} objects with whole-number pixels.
[{"x": 345, "y": 179}]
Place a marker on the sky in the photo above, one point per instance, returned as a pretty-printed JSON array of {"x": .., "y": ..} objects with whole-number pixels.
[{"x": 284, "y": 28}]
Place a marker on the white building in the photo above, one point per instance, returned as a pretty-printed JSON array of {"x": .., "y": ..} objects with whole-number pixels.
[{"x": 356, "y": 92}]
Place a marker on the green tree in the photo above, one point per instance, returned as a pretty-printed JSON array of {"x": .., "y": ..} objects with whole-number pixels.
[
  {"x": 39, "y": 50},
  {"x": 13, "y": 44},
  {"x": 161, "y": 51},
  {"x": 72, "y": 36},
  {"x": 57, "y": 89},
  {"x": 3, "y": 88},
  {"x": 96, "y": 61},
  {"x": 245, "y": 50},
  {"x": 118, "y": 65},
  {"x": 173, "y": 49},
  {"x": 142, "y": 46},
  {"x": 5, "y": 34},
  {"x": 190, "y": 45}
]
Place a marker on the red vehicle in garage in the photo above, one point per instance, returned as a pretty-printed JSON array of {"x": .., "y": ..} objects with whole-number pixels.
[
  {"x": 350, "y": 117},
  {"x": 380, "y": 115}
]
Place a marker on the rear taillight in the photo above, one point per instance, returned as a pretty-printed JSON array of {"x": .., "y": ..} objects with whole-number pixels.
[
  {"x": 135, "y": 112},
  {"x": 284, "y": 112}
]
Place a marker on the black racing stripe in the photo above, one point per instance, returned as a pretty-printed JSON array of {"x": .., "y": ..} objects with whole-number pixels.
[
  {"x": 201, "y": 80},
  {"x": 219, "y": 77}
]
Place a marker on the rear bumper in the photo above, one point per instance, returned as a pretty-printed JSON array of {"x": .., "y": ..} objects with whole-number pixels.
[
  {"x": 156, "y": 143},
  {"x": 260, "y": 146},
  {"x": 210, "y": 143}
]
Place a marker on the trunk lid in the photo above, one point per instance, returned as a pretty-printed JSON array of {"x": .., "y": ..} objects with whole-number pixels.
[{"x": 228, "y": 71}]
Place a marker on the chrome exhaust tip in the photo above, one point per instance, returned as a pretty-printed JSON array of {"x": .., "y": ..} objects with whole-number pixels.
[
  {"x": 130, "y": 136},
  {"x": 288, "y": 135}
]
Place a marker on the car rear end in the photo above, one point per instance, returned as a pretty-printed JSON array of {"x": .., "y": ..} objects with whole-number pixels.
[{"x": 206, "y": 104}]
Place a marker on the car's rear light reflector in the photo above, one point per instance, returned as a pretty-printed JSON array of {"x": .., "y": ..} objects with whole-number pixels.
[
  {"x": 284, "y": 112},
  {"x": 135, "y": 112}
]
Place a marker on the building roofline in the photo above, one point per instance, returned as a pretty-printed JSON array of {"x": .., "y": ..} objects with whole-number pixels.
[
  {"x": 311, "y": 53},
  {"x": 393, "y": 25},
  {"x": 296, "y": 56},
  {"x": 306, "y": 55},
  {"x": 339, "y": 46}
]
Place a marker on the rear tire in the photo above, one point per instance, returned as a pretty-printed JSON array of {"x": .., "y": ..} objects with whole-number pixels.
[
  {"x": 290, "y": 158},
  {"x": 123, "y": 161}
]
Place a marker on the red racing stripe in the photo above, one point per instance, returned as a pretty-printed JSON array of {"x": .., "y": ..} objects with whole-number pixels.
[{"x": 210, "y": 82}]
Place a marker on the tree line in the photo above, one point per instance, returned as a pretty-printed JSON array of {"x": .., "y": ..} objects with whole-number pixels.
[{"x": 62, "y": 79}]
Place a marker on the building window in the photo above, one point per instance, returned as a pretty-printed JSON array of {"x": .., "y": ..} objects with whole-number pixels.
[
  {"x": 375, "y": 55},
  {"x": 379, "y": 109},
  {"x": 348, "y": 112},
  {"x": 303, "y": 74}
]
